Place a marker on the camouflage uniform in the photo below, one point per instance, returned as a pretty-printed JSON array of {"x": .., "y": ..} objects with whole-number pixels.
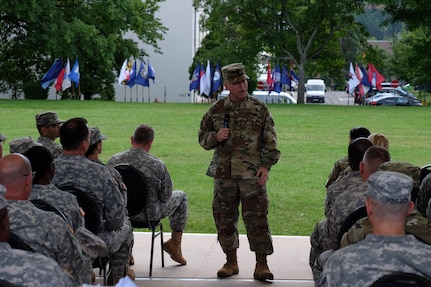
[
  {"x": 325, "y": 234},
  {"x": 363, "y": 263},
  {"x": 162, "y": 201},
  {"x": 339, "y": 187},
  {"x": 96, "y": 181},
  {"x": 51, "y": 145},
  {"x": 416, "y": 225},
  {"x": 338, "y": 168},
  {"x": 252, "y": 144},
  {"x": 66, "y": 202},
  {"x": 48, "y": 234},
  {"x": 424, "y": 196},
  {"x": 90, "y": 243},
  {"x": 33, "y": 269},
  {"x": 118, "y": 180}
]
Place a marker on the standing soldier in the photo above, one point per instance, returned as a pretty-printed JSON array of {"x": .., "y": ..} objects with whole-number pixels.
[{"x": 241, "y": 131}]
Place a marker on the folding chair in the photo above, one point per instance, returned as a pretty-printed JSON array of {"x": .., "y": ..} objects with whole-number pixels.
[{"x": 137, "y": 194}]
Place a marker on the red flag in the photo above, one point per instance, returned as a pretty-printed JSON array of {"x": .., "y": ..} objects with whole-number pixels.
[
  {"x": 269, "y": 76},
  {"x": 374, "y": 77},
  {"x": 362, "y": 88},
  {"x": 59, "y": 80}
]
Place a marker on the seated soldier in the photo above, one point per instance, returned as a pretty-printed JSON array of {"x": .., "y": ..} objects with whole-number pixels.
[
  {"x": 26, "y": 268},
  {"x": 388, "y": 249},
  {"x": 42, "y": 165},
  {"x": 48, "y": 126},
  {"x": 163, "y": 201},
  {"x": 45, "y": 232},
  {"x": 2, "y": 140},
  {"x": 72, "y": 168}
]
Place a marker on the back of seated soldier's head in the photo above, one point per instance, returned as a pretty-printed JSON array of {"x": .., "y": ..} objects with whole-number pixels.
[
  {"x": 358, "y": 132},
  {"x": 373, "y": 158},
  {"x": 356, "y": 151},
  {"x": 73, "y": 132},
  {"x": 390, "y": 192},
  {"x": 16, "y": 176},
  {"x": 41, "y": 161},
  {"x": 143, "y": 134}
]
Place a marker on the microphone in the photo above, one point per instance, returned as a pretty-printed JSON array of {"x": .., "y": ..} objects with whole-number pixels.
[{"x": 226, "y": 120}]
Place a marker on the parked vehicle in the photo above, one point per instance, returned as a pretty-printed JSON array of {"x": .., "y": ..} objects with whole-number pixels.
[
  {"x": 267, "y": 97},
  {"x": 391, "y": 99},
  {"x": 315, "y": 91}
]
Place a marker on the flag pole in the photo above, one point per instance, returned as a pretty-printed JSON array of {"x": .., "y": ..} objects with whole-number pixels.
[
  {"x": 148, "y": 93},
  {"x": 125, "y": 93}
]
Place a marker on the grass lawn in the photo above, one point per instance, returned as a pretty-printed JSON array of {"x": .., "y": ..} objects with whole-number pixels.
[{"x": 311, "y": 138}]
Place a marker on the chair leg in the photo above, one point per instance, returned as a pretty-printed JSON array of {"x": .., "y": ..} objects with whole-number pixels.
[
  {"x": 161, "y": 243},
  {"x": 152, "y": 252}
]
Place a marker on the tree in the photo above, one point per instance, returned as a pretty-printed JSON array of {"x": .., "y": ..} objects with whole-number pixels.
[
  {"x": 34, "y": 33},
  {"x": 290, "y": 31}
]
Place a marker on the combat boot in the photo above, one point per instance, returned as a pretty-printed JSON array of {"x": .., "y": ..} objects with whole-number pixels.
[
  {"x": 261, "y": 272},
  {"x": 230, "y": 267},
  {"x": 173, "y": 248}
]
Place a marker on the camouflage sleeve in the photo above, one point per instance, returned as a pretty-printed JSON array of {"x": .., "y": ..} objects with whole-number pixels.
[
  {"x": 115, "y": 209},
  {"x": 207, "y": 133},
  {"x": 166, "y": 187},
  {"x": 357, "y": 232},
  {"x": 329, "y": 201},
  {"x": 270, "y": 154},
  {"x": 424, "y": 195}
]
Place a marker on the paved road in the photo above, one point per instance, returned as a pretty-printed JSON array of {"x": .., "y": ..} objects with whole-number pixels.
[{"x": 338, "y": 98}]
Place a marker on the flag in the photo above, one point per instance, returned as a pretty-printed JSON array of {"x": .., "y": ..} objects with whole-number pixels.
[
  {"x": 151, "y": 73},
  {"x": 353, "y": 80},
  {"x": 132, "y": 76},
  {"x": 276, "y": 77},
  {"x": 360, "y": 75},
  {"x": 205, "y": 82},
  {"x": 141, "y": 77},
  {"x": 194, "y": 82},
  {"x": 364, "y": 80},
  {"x": 216, "y": 83},
  {"x": 374, "y": 77},
  {"x": 74, "y": 75},
  {"x": 285, "y": 78},
  {"x": 269, "y": 77},
  {"x": 122, "y": 75},
  {"x": 51, "y": 74},
  {"x": 59, "y": 80},
  {"x": 66, "y": 81},
  {"x": 293, "y": 76}
]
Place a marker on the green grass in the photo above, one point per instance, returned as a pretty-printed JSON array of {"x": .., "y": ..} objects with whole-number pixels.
[{"x": 311, "y": 138}]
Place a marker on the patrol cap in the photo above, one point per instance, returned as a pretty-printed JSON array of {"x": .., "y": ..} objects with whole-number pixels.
[
  {"x": 3, "y": 201},
  {"x": 96, "y": 136},
  {"x": 47, "y": 119},
  {"x": 21, "y": 145},
  {"x": 390, "y": 187},
  {"x": 234, "y": 73},
  {"x": 2, "y": 138}
]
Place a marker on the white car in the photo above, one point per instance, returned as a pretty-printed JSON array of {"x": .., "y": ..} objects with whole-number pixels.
[{"x": 267, "y": 97}]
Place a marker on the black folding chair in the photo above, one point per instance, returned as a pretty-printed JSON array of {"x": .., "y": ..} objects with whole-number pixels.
[
  {"x": 402, "y": 279},
  {"x": 92, "y": 223},
  {"x": 137, "y": 194}
]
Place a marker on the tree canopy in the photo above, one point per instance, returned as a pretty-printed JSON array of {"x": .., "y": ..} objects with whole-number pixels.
[
  {"x": 35, "y": 33},
  {"x": 296, "y": 32}
]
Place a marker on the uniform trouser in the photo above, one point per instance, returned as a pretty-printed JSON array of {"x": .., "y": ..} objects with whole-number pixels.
[
  {"x": 119, "y": 244},
  {"x": 176, "y": 208},
  {"x": 228, "y": 194}
]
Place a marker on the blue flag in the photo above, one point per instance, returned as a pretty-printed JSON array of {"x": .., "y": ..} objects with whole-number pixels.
[
  {"x": 132, "y": 76},
  {"x": 364, "y": 80},
  {"x": 151, "y": 72},
  {"x": 194, "y": 82},
  {"x": 216, "y": 79},
  {"x": 285, "y": 78},
  {"x": 52, "y": 74},
  {"x": 293, "y": 76},
  {"x": 276, "y": 77},
  {"x": 74, "y": 75},
  {"x": 141, "y": 77}
]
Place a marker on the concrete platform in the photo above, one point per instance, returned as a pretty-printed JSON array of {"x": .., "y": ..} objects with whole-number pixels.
[{"x": 204, "y": 256}]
